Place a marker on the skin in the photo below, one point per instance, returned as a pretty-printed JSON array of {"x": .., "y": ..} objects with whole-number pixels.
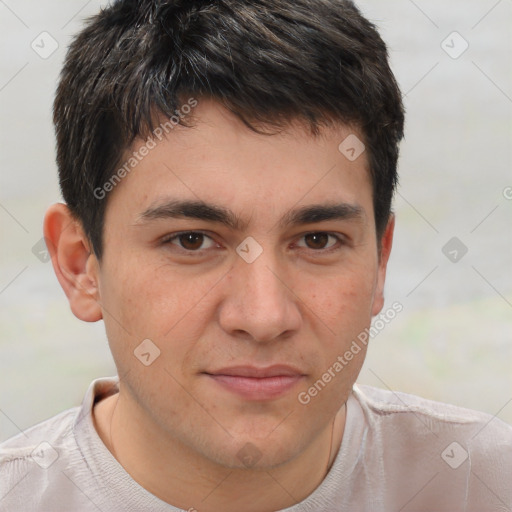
[{"x": 301, "y": 302}]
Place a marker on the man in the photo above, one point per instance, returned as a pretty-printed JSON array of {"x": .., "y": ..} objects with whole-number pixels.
[{"x": 228, "y": 169}]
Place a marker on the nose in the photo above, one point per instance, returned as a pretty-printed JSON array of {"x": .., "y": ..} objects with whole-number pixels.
[{"x": 259, "y": 304}]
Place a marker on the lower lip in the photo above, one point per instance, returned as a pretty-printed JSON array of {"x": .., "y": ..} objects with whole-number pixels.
[{"x": 257, "y": 388}]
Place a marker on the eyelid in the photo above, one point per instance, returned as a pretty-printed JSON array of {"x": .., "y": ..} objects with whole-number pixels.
[
  {"x": 167, "y": 239},
  {"x": 340, "y": 238}
]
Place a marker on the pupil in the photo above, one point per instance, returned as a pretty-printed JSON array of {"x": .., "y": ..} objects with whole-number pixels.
[
  {"x": 317, "y": 240},
  {"x": 191, "y": 240}
]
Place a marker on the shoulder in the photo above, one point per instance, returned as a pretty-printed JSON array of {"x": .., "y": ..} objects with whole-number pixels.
[
  {"x": 39, "y": 446},
  {"x": 456, "y": 456},
  {"x": 55, "y": 428},
  {"x": 393, "y": 404},
  {"x": 48, "y": 466},
  {"x": 45, "y": 468},
  {"x": 410, "y": 419}
]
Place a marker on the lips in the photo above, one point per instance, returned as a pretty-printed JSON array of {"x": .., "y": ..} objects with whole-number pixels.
[{"x": 254, "y": 383}]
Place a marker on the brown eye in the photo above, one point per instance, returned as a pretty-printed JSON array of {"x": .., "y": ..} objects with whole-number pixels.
[
  {"x": 320, "y": 241},
  {"x": 191, "y": 241},
  {"x": 317, "y": 240}
]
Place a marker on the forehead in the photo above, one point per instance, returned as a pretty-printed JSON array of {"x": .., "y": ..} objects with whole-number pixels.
[{"x": 219, "y": 160}]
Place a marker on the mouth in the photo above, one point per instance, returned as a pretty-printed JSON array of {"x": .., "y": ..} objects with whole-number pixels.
[{"x": 253, "y": 383}]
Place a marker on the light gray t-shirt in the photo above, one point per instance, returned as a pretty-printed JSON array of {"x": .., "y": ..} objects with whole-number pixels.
[{"x": 399, "y": 453}]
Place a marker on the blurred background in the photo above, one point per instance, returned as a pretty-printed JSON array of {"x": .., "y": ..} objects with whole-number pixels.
[{"x": 451, "y": 263}]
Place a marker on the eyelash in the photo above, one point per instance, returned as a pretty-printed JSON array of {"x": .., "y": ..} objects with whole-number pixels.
[
  {"x": 169, "y": 239},
  {"x": 340, "y": 241}
]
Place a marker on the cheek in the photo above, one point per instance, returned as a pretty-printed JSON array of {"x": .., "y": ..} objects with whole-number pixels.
[
  {"x": 170, "y": 309},
  {"x": 342, "y": 303},
  {"x": 342, "y": 313},
  {"x": 150, "y": 300}
]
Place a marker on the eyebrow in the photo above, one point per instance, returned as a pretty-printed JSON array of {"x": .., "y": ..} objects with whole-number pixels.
[{"x": 173, "y": 209}]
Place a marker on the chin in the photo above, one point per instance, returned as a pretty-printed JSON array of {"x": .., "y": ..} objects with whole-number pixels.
[{"x": 254, "y": 455}]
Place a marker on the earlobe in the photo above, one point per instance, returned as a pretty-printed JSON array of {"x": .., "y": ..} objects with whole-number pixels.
[
  {"x": 385, "y": 251},
  {"x": 74, "y": 263}
]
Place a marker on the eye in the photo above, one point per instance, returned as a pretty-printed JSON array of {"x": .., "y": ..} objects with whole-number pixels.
[
  {"x": 193, "y": 241},
  {"x": 320, "y": 241}
]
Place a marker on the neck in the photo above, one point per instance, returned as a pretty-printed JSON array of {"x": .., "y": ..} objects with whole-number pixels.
[{"x": 199, "y": 483}]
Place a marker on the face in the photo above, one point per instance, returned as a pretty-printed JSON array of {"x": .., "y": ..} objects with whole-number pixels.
[{"x": 251, "y": 263}]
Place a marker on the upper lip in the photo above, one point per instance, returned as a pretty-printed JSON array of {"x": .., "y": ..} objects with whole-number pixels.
[{"x": 277, "y": 370}]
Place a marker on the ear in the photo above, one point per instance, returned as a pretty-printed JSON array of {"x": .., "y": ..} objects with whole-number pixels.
[
  {"x": 74, "y": 263},
  {"x": 385, "y": 250}
]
